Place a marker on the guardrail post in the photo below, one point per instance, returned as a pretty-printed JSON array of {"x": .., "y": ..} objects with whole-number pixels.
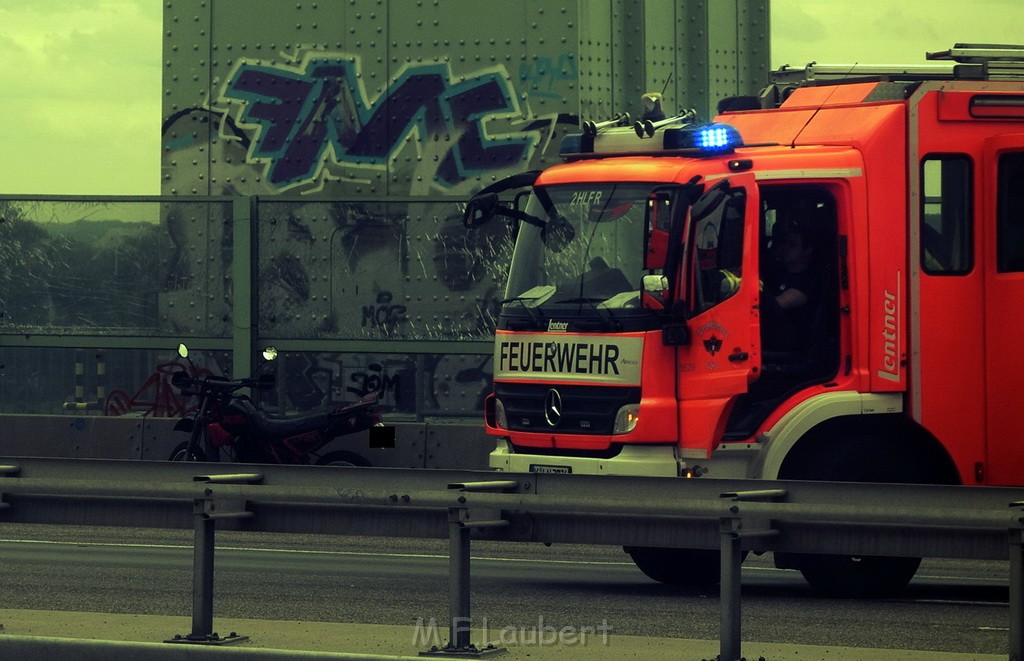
[
  {"x": 458, "y": 580},
  {"x": 7, "y": 471},
  {"x": 205, "y": 522},
  {"x": 202, "y": 572},
  {"x": 459, "y": 525},
  {"x": 729, "y": 590},
  {"x": 732, "y": 535},
  {"x": 1017, "y": 588}
]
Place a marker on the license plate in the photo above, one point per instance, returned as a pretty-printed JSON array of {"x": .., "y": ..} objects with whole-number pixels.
[{"x": 544, "y": 468}]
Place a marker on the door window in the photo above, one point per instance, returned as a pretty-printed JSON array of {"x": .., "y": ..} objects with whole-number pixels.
[
  {"x": 718, "y": 240},
  {"x": 1010, "y": 214},
  {"x": 946, "y": 223}
]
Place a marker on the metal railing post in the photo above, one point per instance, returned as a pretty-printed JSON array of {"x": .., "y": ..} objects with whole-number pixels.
[
  {"x": 7, "y": 471},
  {"x": 729, "y": 590},
  {"x": 244, "y": 213},
  {"x": 458, "y": 581},
  {"x": 459, "y": 617},
  {"x": 732, "y": 535},
  {"x": 202, "y": 573},
  {"x": 205, "y": 516},
  {"x": 1016, "y": 614}
]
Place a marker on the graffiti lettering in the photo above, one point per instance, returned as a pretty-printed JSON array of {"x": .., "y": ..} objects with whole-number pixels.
[
  {"x": 304, "y": 113},
  {"x": 351, "y": 495},
  {"x": 384, "y": 316},
  {"x": 374, "y": 380},
  {"x": 543, "y": 73}
]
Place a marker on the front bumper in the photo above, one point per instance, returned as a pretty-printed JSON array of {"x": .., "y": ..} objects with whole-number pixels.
[{"x": 643, "y": 460}]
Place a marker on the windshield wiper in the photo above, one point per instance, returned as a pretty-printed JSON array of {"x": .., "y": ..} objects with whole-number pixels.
[
  {"x": 535, "y": 295},
  {"x": 534, "y": 312},
  {"x": 580, "y": 299}
]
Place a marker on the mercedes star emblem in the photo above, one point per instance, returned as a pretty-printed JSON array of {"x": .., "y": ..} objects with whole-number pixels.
[{"x": 553, "y": 407}]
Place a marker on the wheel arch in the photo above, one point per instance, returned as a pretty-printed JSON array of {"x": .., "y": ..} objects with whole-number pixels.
[{"x": 835, "y": 424}]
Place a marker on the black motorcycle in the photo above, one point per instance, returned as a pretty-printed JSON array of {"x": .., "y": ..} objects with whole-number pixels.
[{"x": 228, "y": 423}]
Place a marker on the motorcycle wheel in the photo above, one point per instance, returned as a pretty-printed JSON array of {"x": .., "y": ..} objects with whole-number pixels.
[
  {"x": 179, "y": 453},
  {"x": 342, "y": 458}
]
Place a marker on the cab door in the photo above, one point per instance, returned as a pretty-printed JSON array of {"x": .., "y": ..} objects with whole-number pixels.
[
  {"x": 1004, "y": 314},
  {"x": 721, "y": 290}
]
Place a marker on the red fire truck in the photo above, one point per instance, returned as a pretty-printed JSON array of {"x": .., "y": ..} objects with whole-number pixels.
[{"x": 647, "y": 328}]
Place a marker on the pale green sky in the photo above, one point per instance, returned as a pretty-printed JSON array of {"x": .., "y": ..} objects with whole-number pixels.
[
  {"x": 80, "y": 96},
  {"x": 81, "y": 82},
  {"x": 887, "y": 31}
]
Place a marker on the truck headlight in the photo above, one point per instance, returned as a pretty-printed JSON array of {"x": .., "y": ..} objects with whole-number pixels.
[
  {"x": 626, "y": 419},
  {"x": 500, "y": 419}
]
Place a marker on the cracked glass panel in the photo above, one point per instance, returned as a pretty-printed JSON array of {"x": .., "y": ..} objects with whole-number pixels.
[
  {"x": 375, "y": 270},
  {"x": 115, "y": 268}
]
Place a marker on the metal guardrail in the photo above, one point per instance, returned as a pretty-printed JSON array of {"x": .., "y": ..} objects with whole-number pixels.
[{"x": 730, "y": 515}]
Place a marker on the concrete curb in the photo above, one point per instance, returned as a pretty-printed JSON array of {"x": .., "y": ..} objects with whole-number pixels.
[
  {"x": 37, "y": 648},
  {"x": 32, "y": 634}
]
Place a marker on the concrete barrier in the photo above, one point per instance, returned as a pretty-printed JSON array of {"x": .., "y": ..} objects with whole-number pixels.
[{"x": 435, "y": 443}]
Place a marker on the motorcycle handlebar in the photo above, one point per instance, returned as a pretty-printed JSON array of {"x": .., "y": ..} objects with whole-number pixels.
[{"x": 189, "y": 385}]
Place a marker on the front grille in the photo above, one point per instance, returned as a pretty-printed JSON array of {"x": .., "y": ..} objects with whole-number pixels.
[
  {"x": 613, "y": 450},
  {"x": 585, "y": 409}
]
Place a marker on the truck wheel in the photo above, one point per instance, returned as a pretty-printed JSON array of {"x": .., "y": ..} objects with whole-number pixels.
[
  {"x": 861, "y": 457},
  {"x": 697, "y": 568},
  {"x": 858, "y": 577},
  {"x": 342, "y": 458}
]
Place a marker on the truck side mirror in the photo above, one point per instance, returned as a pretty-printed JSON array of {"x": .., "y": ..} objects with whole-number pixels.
[
  {"x": 676, "y": 333},
  {"x": 654, "y": 292},
  {"x": 480, "y": 210},
  {"x": 710, "y": 201}
]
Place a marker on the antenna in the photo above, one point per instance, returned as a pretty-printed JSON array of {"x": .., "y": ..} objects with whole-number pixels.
[
  {"x": 663, "y": 89},
  {"x": 834, "y": 89}
]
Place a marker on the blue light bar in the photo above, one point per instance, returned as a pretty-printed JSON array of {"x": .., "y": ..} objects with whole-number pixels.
[
  {"x": 697, "y": 139},
  {"x": 706, "y": 138},
  {"x": 713, "y": 138}
]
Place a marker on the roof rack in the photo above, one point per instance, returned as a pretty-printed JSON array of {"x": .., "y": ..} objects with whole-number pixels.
[
  {"x": 831, "y": 74},
  {"x": 997, "y": 61},
  {"x": 962, "y": 62}
]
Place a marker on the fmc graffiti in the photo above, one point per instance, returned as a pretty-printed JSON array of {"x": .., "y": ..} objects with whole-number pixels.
[{"x": 318, "y": 113}]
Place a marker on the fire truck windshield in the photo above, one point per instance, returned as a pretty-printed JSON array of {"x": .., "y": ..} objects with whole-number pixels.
[{"x": 585, "y": 259}]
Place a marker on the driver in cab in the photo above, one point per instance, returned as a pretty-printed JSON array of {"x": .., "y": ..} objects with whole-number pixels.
[{"x": 794, "y": 289}]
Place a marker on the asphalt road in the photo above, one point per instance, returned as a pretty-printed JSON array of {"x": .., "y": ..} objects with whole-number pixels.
[{"x": 951, "y": 606}]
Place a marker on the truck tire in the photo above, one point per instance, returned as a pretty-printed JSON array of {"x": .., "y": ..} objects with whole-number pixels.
[
  {"x": 860, "y": 577},
  {"x": 697, "y": 568},
  {"x": 860, "y": 456}
]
